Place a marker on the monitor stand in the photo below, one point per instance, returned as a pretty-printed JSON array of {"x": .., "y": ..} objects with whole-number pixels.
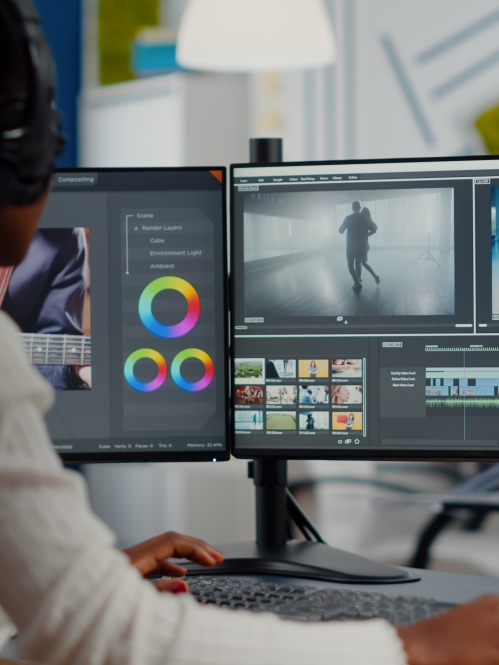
[{"x": 274, "y": 554}]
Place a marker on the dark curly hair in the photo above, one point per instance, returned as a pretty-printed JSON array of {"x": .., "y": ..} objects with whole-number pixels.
[{"x": 14, "y": 69}]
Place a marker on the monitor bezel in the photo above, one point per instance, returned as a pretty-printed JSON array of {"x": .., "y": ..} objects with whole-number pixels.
[
  {"x": 374, "y": 453},
  {"x": 192, "y": 456}
]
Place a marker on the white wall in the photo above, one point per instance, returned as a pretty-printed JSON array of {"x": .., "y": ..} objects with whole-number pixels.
[
  {"x": 214, "y": 502},
  {"x": 138, "y": 123},
  {"x": 216, "y": 119},
  {"x": 422, "y": 75}
]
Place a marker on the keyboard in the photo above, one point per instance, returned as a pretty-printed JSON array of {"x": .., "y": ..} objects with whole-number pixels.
[{"x": 307, "y": 603}]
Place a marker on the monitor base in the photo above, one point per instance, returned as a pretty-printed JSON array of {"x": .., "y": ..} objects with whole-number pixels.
[{"x": 308, "y": 560}]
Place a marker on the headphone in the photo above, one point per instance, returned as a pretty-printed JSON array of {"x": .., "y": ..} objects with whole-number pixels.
[{"x": 31, "y": 138}]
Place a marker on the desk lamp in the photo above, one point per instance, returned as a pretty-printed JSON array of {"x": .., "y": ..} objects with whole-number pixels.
[{"x": 256, "y": 36}]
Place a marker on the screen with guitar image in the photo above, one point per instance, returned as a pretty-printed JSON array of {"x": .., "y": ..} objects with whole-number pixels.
[
  {"x": 48, "y": 296},
  {"x": 121, "y": 306}
]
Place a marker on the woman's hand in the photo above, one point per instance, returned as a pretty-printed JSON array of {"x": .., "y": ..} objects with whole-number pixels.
[
  {"x": 466, "y": 635},
  {"x": 151, "y": 558}
]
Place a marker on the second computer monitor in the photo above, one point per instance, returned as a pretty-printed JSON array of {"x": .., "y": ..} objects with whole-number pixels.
[
  {"x": 366, "y": 309},
  {"x": 121, "y": 305}
]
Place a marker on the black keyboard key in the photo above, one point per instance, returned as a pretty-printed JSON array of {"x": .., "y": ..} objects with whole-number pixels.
[{"x": 298, "y": 614}]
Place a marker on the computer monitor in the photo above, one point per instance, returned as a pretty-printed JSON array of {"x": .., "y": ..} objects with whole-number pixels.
[
  {"x": 121, "y": 301},
  {"x": 365, "y": 309}
]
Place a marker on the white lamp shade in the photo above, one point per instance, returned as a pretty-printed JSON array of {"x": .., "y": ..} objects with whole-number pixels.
[{"x": 255, "y": 35}]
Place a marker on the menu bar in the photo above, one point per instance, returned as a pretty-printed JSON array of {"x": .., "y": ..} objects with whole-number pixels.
[
  {"x": 478, "y": 166},
  {"x": 252, "y": 184}
]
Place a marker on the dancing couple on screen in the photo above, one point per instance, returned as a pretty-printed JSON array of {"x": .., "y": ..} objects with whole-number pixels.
[{"x": 359, "y": 226}]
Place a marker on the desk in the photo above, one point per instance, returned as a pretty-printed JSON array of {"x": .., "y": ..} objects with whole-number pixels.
[{"x": 445, "y": 587}]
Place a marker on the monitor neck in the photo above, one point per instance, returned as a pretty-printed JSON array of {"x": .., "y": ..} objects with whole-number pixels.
[{"x": 270, "y": 477}]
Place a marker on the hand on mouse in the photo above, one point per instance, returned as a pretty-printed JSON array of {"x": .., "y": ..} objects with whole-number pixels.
[
  {"x": 151, "y": 558},
  {"x": 466, "y": 635}
]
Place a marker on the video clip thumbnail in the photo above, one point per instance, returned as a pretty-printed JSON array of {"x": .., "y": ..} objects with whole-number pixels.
[
  {"x": 248, "y": 395},
  {"x": 313, "y": 420},
  {"x": 249, "y": 420},
  {"x": 281, "y": 395},
  {"x": 281, "y": 420},
  {"x": 249, "y": 370},
  {"x": 313, "y": 395},
  {"x": 346, "y": 368},
  {"x": 347, "y": 422},
  {"x": 313, "y": 369},
  {"x": 281, "y": 369},
  {"x": 346, "y": 394}
]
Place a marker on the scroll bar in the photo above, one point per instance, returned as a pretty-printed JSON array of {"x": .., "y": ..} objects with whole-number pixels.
[
  {"x": 364, "y": 397},
  {"x": 474, "y": 259},
  {"x": 126, "y": 243}
]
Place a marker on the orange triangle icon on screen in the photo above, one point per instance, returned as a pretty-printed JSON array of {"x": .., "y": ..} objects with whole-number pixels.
[{"x": 218, "y": 175}]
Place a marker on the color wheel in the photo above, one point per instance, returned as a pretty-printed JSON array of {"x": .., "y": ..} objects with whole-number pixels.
[
  {"x": 163, "y": 284},
  {"x": 209, "y": 370},
  {"x": 149, "y": 386}
]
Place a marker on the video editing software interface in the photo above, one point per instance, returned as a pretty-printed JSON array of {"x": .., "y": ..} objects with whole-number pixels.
[
  {"x": 121, "y": 302},
  {"x": 366, "y": 308}
]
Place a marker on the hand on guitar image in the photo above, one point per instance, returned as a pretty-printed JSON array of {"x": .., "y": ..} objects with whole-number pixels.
[
  {"x": 150, "y": 558},
  {"x": 85, "y": 374},
  {"x": 45, "y": 295}
]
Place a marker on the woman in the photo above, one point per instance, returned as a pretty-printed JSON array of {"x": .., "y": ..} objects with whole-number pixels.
[
  {"x": 373, "y": 228},
  {"x": 312, "y": 370},
  {"x": 76, "y": 600},
  {"x": 350, "y": 422},
  {"x": 340, "y": 395},
  {"x": 283, "y": 395}
]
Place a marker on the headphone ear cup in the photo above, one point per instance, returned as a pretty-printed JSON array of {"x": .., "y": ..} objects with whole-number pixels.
[
  {"x": 13, "y": 110},
  {"x": 31, "y": 137}
]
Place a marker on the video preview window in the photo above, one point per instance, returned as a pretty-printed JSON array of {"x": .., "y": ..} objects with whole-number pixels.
[
  {"x": 48, "y": 296},
  {"x": 373, "y": 252}
]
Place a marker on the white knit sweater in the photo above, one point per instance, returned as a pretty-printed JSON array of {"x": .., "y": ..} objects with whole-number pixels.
[{"x": 76, "y": 600}]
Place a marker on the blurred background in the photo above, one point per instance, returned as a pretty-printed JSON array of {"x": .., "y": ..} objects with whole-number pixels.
[{"x": 411, "y": 78}]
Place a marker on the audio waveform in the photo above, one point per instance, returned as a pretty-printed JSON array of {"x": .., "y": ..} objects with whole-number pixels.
[{"x": 461, "y": 402}]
